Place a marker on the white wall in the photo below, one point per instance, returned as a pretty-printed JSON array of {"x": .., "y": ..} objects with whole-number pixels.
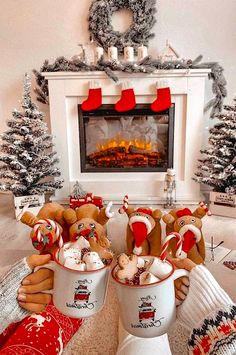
[{"x": 33, "y": 30}]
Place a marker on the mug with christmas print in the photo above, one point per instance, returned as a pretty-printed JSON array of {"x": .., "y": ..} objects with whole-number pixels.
[
  {"x": 80, "y": 279},
  {"x": 146, "y": 294}
]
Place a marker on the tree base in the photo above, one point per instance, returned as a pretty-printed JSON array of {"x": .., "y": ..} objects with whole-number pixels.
[
  {"x": 223, "y": 204},
  {"x": 32, "y": 203}
]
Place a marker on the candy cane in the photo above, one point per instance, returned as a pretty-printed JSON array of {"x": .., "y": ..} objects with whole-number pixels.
[
  {"x": 204, "y": 206},
  {"x": 53, "y": 225},
  {"x": 166, "y": 244},
  {"x": 125, "y": 206}
]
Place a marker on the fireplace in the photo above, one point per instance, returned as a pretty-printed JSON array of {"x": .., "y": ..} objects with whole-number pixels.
[
  {"x": 136, "y": 141},
  {"x": 67, "y": 90}
]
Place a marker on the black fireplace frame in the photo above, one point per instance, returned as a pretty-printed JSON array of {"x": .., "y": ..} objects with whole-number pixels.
[{"x": 143, "y": 109}]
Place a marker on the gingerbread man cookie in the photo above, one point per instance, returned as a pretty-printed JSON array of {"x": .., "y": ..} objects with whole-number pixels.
[{"x": 128, "y": 266}]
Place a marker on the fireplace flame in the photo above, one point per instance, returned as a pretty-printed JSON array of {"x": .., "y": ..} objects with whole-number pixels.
[{"x": 114, "y": 143}]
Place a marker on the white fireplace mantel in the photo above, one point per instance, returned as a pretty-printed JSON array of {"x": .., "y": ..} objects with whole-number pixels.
[{"x": 68, "y": 89}]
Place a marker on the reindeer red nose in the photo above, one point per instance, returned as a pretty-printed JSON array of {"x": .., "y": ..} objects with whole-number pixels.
[
  {"x": 87, "y": 234},
  {"x": 189, "y": 241},
  {"x": 140, "y": 233}
]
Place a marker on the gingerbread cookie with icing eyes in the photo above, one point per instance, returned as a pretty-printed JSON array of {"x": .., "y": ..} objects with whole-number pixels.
[{"x": 128, "y": 266}]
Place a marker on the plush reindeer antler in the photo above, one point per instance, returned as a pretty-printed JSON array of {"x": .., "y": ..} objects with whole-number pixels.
[
  {"x": 108, "y": 212},
  {"x": 202, "y": 210},
  {"x": 29, "y": 219},
  {"x": 204, "y": 206}
]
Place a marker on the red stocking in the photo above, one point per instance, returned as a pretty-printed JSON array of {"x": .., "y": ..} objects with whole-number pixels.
[
  {"x": 127, "y": 101},
  {"x": 163, "y": 100},
  {"x": 94, "y": 99}
]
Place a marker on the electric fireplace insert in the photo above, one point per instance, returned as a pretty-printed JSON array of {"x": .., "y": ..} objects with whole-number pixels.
[{"x": 135, "y": 141}]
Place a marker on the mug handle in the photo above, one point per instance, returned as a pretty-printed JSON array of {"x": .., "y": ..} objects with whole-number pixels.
[
  {"x": 51, "y": 265},
  {"x": 179, "y": 273}
]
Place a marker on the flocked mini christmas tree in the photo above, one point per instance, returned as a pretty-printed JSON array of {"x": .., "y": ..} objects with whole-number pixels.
[
  {"x": 217, "y": 168},
  {"x": 27, "y": 162}
]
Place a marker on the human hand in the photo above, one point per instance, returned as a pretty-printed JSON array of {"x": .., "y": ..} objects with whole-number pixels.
[
  {"x": 30, "y": 296},
  {"x": 182, "y": 284}
]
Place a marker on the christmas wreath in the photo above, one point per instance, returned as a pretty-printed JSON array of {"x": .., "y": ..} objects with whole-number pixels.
[{"x": 102, "y": 32}]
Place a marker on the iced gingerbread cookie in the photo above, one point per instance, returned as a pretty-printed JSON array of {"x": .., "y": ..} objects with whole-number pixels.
[{"x": 128, "y": 266}]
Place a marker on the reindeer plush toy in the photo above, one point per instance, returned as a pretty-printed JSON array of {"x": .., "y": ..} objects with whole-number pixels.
[
  {"x": 54, "y": 225},
  {"x": 48, "y": 227},
  {"x": 189, "y": 225},
  {"x": 143, "y": 235},
  {"x": 89, "y": 221}
]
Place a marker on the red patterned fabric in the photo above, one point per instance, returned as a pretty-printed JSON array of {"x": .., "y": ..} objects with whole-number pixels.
[{"x": 44, "y": 333}]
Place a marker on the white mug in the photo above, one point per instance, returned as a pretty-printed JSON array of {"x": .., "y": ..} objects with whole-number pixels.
[
  {"x": 76, "y": 293},
  {"x": 148, "y": 311}
]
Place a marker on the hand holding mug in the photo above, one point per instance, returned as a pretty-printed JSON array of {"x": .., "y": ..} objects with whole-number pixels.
[
  {"x": 30, "y": 295},
  {"x": 182, "y": 284}
]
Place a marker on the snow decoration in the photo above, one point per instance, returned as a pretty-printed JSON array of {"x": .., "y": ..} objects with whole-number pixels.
[
  {"x": 102, "y": 32},
  {"x": 218, "y": 166},
  {"x": 27, "y": 161},
  {"x": 147, "y": 65}
]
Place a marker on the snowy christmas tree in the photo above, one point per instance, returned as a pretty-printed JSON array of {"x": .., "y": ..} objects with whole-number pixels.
[
  {"x": 217, "y": 168},
  {"x": 78, "y": 191},
  {"x": 27, "y": 162}
]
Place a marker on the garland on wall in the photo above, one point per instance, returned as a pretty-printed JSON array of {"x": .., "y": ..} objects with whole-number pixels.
[
  {"x": 147, "y": 65},
  {"x": 101, "y": 29}
]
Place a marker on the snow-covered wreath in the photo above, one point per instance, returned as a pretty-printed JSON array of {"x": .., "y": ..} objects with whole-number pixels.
[{"x": 102, "y": 31}]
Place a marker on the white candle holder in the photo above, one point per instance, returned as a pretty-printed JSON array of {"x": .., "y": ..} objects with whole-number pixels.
[
  {"x": 112, "y": 53},
  {"x": 129, "y": 54},
  {"x": 142, "y": 53},
  {"x": 99, "y": 52}
]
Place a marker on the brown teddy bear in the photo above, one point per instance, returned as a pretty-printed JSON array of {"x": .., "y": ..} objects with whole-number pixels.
[
  {"x": 128, "y": 266},
  {"x": 143, "y": 235},
  {"x": 88, "y": 221},
  {"x": 189, "y": 225}
]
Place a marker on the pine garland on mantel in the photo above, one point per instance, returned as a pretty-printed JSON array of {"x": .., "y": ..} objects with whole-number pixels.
[{"x": 147, "y": 65}]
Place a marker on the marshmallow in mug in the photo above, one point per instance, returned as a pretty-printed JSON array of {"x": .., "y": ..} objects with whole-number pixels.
[
  {"x": 141, "y": 262},
  {"x": 81, "y": 243},
  {"x": 147, "y": 278},
  {"x": 74, "y": 264},
  {"x": 159, "y": 268},
  {"x": 93, "y": 261},
  {"x": 72, "y": 252}
]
